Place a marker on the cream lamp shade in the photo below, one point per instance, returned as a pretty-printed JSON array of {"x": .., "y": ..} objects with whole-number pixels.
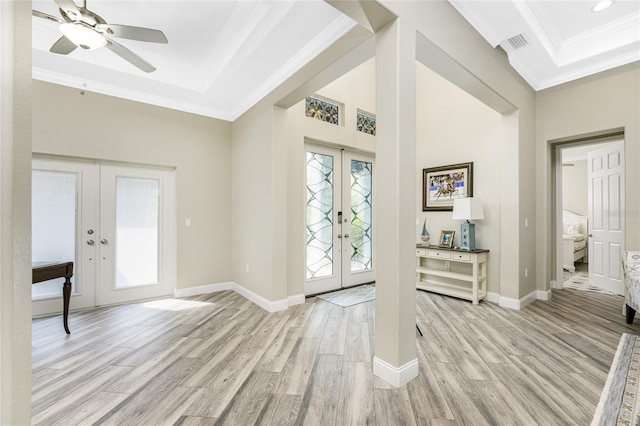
[{"x": 467, "y": 209}]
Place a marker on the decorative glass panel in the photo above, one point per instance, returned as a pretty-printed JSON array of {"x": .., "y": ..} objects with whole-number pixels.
[
  {"x": 366, "y": 124},
  {"x": 319, "y": 215},
  {"x": 361, "y": 216},
  {"x": 53, "y": 217},
  {"x": 137, "y": 227},
  {"x": 322, "y": 110}
]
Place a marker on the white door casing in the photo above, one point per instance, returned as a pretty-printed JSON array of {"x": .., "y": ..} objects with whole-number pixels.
[{"x": 605, "y": 170}]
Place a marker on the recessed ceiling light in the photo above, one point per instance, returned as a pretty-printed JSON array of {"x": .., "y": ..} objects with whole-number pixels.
[{"x": 602, "y": 5}]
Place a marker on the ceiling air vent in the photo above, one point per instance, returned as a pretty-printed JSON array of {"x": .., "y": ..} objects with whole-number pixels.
[{"x": 514, "y": 43}]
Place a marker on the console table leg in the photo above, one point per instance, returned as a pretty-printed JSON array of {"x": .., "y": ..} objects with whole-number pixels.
[{"x": 66, "y": 295}]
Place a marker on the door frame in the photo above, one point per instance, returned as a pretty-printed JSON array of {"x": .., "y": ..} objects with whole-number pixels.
[
  {"x": 555, "y": 150},
  {"x": 169, "y": 237}
]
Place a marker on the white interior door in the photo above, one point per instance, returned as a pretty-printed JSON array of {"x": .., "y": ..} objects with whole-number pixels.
[
  {"x": 64, "y": 218},
  {"x": 117, "y": 223},
  {"x": 339, "y": 219},
  {"x": 137, "y": 234},
  {"x": 605, "y": 168}
]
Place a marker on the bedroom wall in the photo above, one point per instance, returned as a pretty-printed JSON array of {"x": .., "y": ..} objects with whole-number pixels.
[
  {"x": 574, "y": 188},
  {"x": 454, "y": 127},
  {"x": 107, "y": 128},
  {"x": 591, "y": 105}
]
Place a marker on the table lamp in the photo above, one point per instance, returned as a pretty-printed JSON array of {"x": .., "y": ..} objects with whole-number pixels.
[{"x": 467, "y": 209}]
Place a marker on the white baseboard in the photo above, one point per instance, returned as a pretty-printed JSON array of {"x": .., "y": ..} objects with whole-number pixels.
[
  {"x": 493, "y": 297},
  {"x": 507, "y": 302},
  {"x": 266, "y": 304},
  {"x": 202, "y": 289},
  {"x": 396, "y": 376},
  {"x": 296, "y": 299},
  {"x": 543, "y": 295}
]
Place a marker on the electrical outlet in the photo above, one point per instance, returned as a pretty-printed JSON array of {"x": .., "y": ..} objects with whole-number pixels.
[
  {"x": 526, "y": 273},
  {"x": 447, "y": 265},
  {"x": 247, "y": 268}
]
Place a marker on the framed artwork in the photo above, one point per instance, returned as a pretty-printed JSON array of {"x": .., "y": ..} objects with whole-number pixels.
[
  {"x": 441, "y": 185},
  {"x": 446, "y": 238}
]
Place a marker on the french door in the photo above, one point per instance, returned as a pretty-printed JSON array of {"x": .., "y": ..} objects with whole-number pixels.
[
  {"x": 116, "y": 222},
  {"x": 340, "y": 249}
]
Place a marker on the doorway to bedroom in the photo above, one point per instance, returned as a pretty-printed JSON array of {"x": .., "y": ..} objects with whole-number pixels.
[{"x": 592, "y": 219}]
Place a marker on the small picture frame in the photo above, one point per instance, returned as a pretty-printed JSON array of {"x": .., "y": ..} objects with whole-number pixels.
[{"x": 446, "y": 239}]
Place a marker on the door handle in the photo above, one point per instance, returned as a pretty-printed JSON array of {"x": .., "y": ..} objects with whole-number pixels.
[
  {"x": 346, "y": 235},
  {"x": 339, "y": 235},
  {"x": 104, "y": 241},
  {"x": 91, "y": 242},
  {"x": 590, "y": 235}
]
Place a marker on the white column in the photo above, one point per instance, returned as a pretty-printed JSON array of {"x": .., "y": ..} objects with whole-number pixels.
[
  {"x": 15, "y": 208},
  {"x": 395, "y": 351}
]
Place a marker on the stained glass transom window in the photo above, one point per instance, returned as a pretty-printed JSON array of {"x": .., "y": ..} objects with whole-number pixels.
[
  {"x": 322, "y": 110},
  {"x": 320, "y": 181},
  {"x": 366, "y": 124},
  {"x": 361, "y": 215}
]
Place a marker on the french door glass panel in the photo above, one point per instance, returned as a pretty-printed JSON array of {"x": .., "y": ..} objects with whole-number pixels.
[
  {"x": 53, "y": 222},
  {"x": 320, "y": 223},
  {"x": 339, "y": 219},
  {"x": 361, "y": 216},
  {"x": 137, "y": 228}
]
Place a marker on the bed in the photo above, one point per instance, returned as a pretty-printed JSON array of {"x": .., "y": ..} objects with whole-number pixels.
[{"x": 574, "y": 239}]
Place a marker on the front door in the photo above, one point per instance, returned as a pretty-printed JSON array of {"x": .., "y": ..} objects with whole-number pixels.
[
  {"x": 605, "y": 169},
  {"x": 339, "y": 219},
  {"x": 116, "y": 222}
]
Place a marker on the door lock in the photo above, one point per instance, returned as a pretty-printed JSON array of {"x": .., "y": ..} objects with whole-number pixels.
[{"x": 104, "y": 241}]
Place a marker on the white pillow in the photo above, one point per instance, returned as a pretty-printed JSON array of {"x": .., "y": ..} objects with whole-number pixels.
[{"x": 571, "y": 228}]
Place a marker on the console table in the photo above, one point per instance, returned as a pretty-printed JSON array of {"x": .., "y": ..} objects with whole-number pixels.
[
  {"x": 45, "y": 271},
  {"x": 453, "y": 272}
]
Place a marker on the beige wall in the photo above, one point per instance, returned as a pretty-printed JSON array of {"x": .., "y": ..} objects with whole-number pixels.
[
  {"x": 574, "y": 188},
  {"x": 452, "y": 128},
  {"x": 442, "y": 25},
  {"x": 15, "y": 209},
  {"x": 108, "y": 128},
  {"x": 591, "y": 105}
]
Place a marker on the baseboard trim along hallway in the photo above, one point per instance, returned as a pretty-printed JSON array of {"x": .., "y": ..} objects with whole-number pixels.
[{"x": 266, "y": 304}]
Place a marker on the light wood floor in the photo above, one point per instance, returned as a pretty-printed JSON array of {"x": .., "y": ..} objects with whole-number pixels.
[{"x": 219, "y": 359}]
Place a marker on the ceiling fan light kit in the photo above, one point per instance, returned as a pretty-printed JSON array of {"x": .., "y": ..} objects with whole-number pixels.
[
  {"x": 83, "y": 28},
  {"x": 602, "y": 5},
  {"x": 82, "y": 35}
]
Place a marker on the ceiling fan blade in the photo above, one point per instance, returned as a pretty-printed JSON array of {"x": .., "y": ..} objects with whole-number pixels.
[
  {"x": 45, "y": 16},
  {"x": 63, "y": 46},
  {"x": 133, "y": 33},
  {"x": 70, "y": 9},
  {"x": 129, "y": 56}
]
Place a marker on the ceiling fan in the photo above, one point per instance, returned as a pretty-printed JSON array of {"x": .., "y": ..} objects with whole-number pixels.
[{"x": 83, "y": 28}]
